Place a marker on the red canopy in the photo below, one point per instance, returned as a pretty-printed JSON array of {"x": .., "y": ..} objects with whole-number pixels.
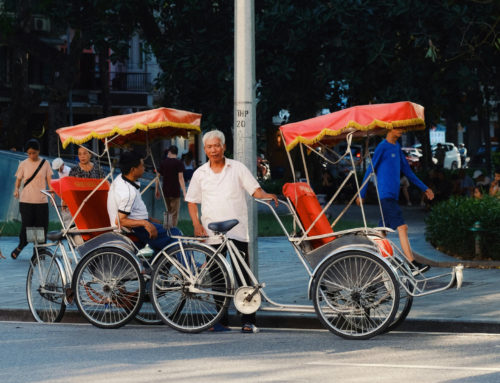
[
  {"x": 157, "y": 123},
  {"x": 361, "y": 120}
]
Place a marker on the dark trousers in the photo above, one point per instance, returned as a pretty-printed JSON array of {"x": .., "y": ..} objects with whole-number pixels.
[
  {"x": 245, "y": 318},
  {"x": 163, "y": 239},
  {"x": 33, "y": 215}
]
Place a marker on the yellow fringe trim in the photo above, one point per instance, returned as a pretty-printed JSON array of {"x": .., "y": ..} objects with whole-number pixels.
[
  {"x": 411, "y": 124},
  {"x": 136, "y": 127}
]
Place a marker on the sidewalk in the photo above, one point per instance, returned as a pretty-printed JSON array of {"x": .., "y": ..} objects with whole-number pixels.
[{"x": 474, "y": 308}]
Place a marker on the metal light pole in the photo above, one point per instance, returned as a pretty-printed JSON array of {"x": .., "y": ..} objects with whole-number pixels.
[{"x": 244, "y": 106}]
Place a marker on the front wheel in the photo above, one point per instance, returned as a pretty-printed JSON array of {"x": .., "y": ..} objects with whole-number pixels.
[
  {"x": 355, "y": 295},
  {"x": 45, "y": 288},
  {"x": 191, "y": 288},
  {"x": 108, "y": 287}
]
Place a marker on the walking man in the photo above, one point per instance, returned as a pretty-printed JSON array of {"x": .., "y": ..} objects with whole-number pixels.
[
  {"x": 220, "y": 186},
  {"x": 172, "y": 171},
  {"x": 389, "y": 162}
]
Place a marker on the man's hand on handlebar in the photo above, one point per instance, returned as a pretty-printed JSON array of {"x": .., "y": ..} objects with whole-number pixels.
[{"x": 199, "y": 230}]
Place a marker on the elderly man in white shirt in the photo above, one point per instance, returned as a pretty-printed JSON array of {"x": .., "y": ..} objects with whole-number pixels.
[{"x": 220, "y": 186}]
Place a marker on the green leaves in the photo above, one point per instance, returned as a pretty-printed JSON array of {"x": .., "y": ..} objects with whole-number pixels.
[{"x": 449, "y": 223}]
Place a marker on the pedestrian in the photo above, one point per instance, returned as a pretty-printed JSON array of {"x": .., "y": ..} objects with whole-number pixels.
[
  {"x": 463, "y": 155},
  {"x": 35, "y": 174},
  {"x": 220, "y": 186},
  {"x": 59, "y": 165},
  {"x": 494, "y": 190},
  {"x": 440, "y": 155},
  {"x": 404, "y": 185},
  {"x": 127, "y": 208},
  {"x": 85, "y": 167},
  {"x": 466, "y": 184},
  {"x": 480, "y": 179},
  {"x": 477, "y": 192},
  {"x": 172, "y": 173},
  {"x": 389, "y": 162},
  {"x": 189, "y": 166}
]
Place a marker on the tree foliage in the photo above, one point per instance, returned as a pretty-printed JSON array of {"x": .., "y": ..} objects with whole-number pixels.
[{"x": 309, "y": 55}]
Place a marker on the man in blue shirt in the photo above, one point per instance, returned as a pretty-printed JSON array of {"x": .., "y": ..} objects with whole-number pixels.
[{"x": 389, "y": 162}]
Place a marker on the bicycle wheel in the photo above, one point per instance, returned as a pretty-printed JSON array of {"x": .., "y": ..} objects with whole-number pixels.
[
  {"x": 191, "y": 290},
  {"x": 355, "y": 294},
  {"x": 405, "y": 303},
  {"x": 147, "y": 314},
  {"x": 108, "y": 287},
  {"x": 45, "y": 288}
]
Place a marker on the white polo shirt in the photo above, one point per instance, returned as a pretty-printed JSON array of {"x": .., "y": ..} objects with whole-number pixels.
[
  {"x": 125, "y": 197},
  {"x": 223, "y": 196}
]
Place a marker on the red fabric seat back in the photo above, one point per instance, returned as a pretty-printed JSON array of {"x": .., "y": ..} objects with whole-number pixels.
[
  {"x": 308, "y": 208},
  {"x": 94, "y": 214}
]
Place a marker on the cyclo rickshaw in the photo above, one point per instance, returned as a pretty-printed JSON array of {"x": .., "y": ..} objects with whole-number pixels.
[
  {"x": 359, "y": 281},
  {"x": 91, "y": 262}
]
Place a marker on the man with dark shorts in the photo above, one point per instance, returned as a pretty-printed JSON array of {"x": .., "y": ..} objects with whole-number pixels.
[
  {"x": 389, "y": 162},
  {"x": 172, "y": 172}
]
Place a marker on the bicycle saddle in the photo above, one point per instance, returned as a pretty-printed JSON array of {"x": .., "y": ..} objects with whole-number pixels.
[{"x": 223, "y": 227}]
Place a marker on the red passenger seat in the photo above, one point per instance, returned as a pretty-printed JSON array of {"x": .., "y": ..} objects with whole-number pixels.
[
  {"x": 308, "y": 208},
  {"x": 94, "y": 214}
]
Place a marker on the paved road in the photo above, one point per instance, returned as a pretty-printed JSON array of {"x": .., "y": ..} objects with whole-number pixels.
[
  {"x": 473, "y": 308},
  {"x": 80, "y": 353}
]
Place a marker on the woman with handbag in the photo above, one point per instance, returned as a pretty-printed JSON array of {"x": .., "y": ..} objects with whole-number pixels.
[{"x": 35, "y": 174}]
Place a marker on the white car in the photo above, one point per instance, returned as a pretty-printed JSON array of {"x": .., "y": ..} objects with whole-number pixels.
[{"x": 452, "y": 157}]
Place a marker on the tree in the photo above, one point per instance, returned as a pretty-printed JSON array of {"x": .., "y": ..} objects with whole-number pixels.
[{"x": 88, "y": 23}]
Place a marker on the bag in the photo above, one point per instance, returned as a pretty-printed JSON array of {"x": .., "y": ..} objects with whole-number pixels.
[{"x": 34, "y": 174}]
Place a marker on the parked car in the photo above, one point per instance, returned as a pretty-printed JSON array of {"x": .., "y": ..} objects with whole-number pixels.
[
  {"x": 356, "y": 150},
  {"x": 452, "y": 156},
  {"x": 413, "y": 156}
]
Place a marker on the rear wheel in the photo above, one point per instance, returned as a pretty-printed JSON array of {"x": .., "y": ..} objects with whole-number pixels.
[
  {"x": 45, "y": 288},
  {"x": 355, "y": 295},
  {"x": 191, "y": 288},
  {"x": 147, "y": 314},
  {"x": 108, "y": 287},
  {"x": 405, "y": 303}
]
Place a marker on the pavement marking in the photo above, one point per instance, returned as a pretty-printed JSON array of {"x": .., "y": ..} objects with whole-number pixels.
[{"x": 421, "y": 367}]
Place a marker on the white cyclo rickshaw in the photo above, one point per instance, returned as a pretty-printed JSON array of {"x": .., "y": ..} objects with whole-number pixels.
[
  {"x": 98, "y": 266},
  {"x": 359, "y": 281}
]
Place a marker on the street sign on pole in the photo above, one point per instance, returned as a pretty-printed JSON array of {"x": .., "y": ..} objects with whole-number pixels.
[{"x": 244, "y": 106}]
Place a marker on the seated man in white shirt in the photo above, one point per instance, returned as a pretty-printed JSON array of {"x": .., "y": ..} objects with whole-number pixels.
[
  {"x": 126, "y": 207},
  {"x": 221, "y": 186}
]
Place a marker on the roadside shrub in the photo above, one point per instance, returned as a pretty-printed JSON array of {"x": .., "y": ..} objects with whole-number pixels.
[{"x": 449, "y": 223}]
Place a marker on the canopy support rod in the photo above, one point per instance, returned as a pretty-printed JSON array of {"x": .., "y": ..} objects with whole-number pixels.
[{"x": 304, "y": 163}]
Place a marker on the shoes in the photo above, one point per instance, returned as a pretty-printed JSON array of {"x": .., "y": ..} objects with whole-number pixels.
[
  {"x": 419, "y": 268},
  {"x": 249, "y": 328},
  {"x": 69, "y": 295},
  {"x": 219, "y": 328},
  {"x": 15, "y": 253}
]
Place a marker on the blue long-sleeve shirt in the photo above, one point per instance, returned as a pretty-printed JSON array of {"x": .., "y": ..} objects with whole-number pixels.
[{"x": 389, "y": 162}]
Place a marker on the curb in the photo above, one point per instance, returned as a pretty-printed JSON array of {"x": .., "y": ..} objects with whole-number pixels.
[
  {"x": 456, "y": 262},
  {"x": 301, "y": 321}
]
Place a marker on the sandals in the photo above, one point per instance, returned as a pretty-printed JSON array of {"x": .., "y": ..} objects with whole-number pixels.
[
  {"x": 15, "y": 253},
  {"x": 249, "y": 328}
]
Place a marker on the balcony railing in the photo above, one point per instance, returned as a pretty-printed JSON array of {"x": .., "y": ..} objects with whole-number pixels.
[{"x": 130, "y": 81}]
